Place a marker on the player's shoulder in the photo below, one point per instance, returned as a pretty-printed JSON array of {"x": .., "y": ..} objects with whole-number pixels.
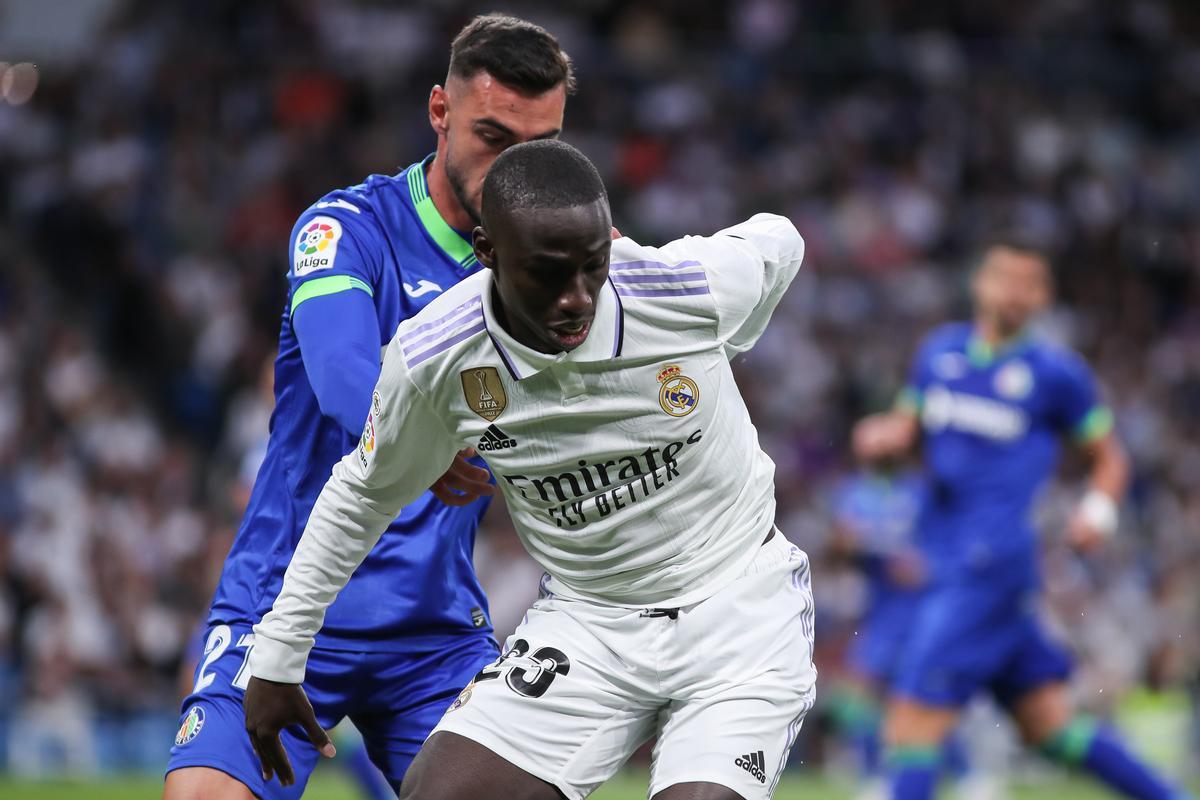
[
  {"x": 949, "y": 337},
  {"x": 440, "y": 331},
  {"x": 360, "y": 204},
  {"x": 661, "y": 286},
  {"x": 1056, "y": 358}
]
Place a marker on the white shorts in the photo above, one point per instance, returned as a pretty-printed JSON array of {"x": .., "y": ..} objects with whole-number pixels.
[{"x": 724, "y": 683}]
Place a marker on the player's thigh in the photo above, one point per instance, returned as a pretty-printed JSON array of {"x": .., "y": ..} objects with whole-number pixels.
[
  {"x": 912, "y": 723},
  {"x": 204, "y": 783},
  {"x": 1042, "y": 713},
  {"x": 452, "y": 767},
  {"x": 742, "y": 682},
  {"x": 697, "y": 791},
  {"x": 212, "y": 729},
  {"x": 1032, "y": 683},
  {"x": 568, "y": 702},
  {"x": 409, "y": 693}
]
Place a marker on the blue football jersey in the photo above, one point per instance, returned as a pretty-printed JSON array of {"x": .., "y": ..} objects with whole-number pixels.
[
  {"x": 383, "y": 237},
  {"x": 992, "y": 424},
  {"x": 881, "y": 511}
]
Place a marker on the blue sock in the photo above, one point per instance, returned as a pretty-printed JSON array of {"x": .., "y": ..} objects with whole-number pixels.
[
  {"x": 1097, "y": 749},
  {"x": 912, "y": 772}
]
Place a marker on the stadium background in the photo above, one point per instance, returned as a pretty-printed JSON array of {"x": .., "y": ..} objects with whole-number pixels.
[{"x": 153, "y": 156}]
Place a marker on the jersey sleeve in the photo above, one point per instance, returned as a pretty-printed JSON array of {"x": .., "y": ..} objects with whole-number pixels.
[
  {"x": 405, "y": 447},
  {"x": 748, "y": 268},
  {"x": 1076, "y": 407},
  {"x": 332, "y": 253}
]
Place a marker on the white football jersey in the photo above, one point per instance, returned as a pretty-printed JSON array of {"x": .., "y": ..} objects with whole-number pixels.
[{"x": 629, "y": 465}]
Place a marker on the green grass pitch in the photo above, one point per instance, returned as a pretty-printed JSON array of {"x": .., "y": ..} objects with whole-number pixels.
[{"x": 627, "y": 786}]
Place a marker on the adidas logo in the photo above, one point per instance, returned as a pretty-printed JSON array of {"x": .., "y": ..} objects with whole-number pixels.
[
  {"x": 753, "y": 763},
  {"x": 495, "y": 439}
]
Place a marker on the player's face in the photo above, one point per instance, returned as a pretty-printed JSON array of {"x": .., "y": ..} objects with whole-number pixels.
[
  {"x": 477, "y": 119},
  {"x": 1010, "y": 288},
  {"x": 549, "y": 266}
]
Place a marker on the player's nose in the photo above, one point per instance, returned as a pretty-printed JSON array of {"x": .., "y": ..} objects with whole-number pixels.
[{"x": 575, "y": 300}]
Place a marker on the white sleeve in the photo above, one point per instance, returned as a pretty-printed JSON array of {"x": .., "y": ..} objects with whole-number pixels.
[
  {"x": 749, "y": 266},
  {"x": 404, "y": 448}
]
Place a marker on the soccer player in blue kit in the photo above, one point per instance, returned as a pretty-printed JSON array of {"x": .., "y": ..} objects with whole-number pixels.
[
  {"x": 989, "y": 403},
  {"x": 411, "y": 629}
]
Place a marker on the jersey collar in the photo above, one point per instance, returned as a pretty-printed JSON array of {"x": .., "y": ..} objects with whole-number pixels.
[
  {"x": 982, "y": 354},
  {"x": 453, "y": 243},
  {"x": 604, "y": 340}
]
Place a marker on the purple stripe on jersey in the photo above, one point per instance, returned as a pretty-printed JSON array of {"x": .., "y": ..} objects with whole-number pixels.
[
  {"x": 624, "y": 266},
  {"x": 412, "y": 345},
  {"x": 441, "y": 347},
  {"x": 642, "y": 277},
  {"x": 474, "y": 301},
  {"x": 512, "y": 368},
  {"x": 629, "y": 291},
  {"x": 619, "y": 340}
]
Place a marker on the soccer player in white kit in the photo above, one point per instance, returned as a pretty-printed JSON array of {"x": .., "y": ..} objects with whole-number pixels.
[{"x": 593, "y": 375}]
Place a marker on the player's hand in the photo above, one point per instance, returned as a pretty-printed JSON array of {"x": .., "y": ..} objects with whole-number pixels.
[
  {"x": 1082, "y": 535},
  {"x": 883, "y": 436},
  {"x": 464, "y": 482},
  {"x": 908, "y": 570},
  {"x": 270, "y": 707}
]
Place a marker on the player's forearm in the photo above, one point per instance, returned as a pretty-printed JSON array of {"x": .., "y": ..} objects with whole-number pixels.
[
  {"x": 341, "y": 531},
  {"x": 1110, "y": 468}
]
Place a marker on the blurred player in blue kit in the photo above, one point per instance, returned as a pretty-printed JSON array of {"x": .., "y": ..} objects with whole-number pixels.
[
  {"x": 411, "y": 628},
  {"x": 989, "y": 404},
  {"x": 875, "y": 514}
]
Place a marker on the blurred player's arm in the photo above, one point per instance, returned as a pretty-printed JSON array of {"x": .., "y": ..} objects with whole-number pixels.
[
  {"x": 1096, "y": 517},
  {"x": 894, "y": 434},
  {"x": 749, "y": 266},
  {"x": 1080, "y": 414}
]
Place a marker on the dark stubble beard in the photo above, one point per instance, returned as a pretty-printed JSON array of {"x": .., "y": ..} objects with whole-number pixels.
[{"x": 460, "y": 192}]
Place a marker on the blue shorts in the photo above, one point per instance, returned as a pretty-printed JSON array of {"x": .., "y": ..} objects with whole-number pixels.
[
  {"x": 394, "y": 699},
  {"x": 978, "y": 635},
  {"x": 876, "y": 652}
]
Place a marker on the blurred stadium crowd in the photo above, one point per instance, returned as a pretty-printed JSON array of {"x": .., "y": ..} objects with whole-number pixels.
[{"x": 148, "y": 187}]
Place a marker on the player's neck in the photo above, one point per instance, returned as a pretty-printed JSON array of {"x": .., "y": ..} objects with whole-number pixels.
[
  {"x": 443, "y": 196},
  {"x": 993, "y": 336}
]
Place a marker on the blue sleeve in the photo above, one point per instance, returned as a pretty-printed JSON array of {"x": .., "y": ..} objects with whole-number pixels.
[
  {"x": 334, "y": 262},
  {"x": 340, "y": 345},
  {"x": 1075, "y": 405}
]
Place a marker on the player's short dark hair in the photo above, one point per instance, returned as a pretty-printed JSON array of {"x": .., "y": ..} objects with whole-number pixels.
[
  {"x": 519, "y": 54},
  {"x": 545, "y": 173},
  {"x": 1024, "y": 243}
]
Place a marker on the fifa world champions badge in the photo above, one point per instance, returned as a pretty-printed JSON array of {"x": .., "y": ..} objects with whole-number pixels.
[
  {"x": 484, "y": 392},
  {"x": 678, "y": 394}
]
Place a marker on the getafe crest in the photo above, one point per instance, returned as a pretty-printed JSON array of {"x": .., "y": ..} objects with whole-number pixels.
[
  {"x": 678, "y": 394},
  {"x": 484, "y": 392}
]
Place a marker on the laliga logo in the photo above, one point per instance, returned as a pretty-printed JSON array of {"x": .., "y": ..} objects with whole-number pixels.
[
  {"x": 315, "y": 238},
  {"x": 678, "y": 394},
  {"x": 316, "y": 246}
]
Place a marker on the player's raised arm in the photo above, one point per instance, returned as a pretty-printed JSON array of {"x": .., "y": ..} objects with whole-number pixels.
[{"x": 748, "y": 266}]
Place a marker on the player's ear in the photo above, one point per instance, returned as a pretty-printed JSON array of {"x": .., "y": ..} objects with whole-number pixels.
[
  {"x": 438, "y": 111},
  {"x": 484, "y": 251}
]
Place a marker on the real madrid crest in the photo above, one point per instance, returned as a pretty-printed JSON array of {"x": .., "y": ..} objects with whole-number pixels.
[
  {"x": 484, "y": 392},
  {"x": 678, "y": 394}
]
